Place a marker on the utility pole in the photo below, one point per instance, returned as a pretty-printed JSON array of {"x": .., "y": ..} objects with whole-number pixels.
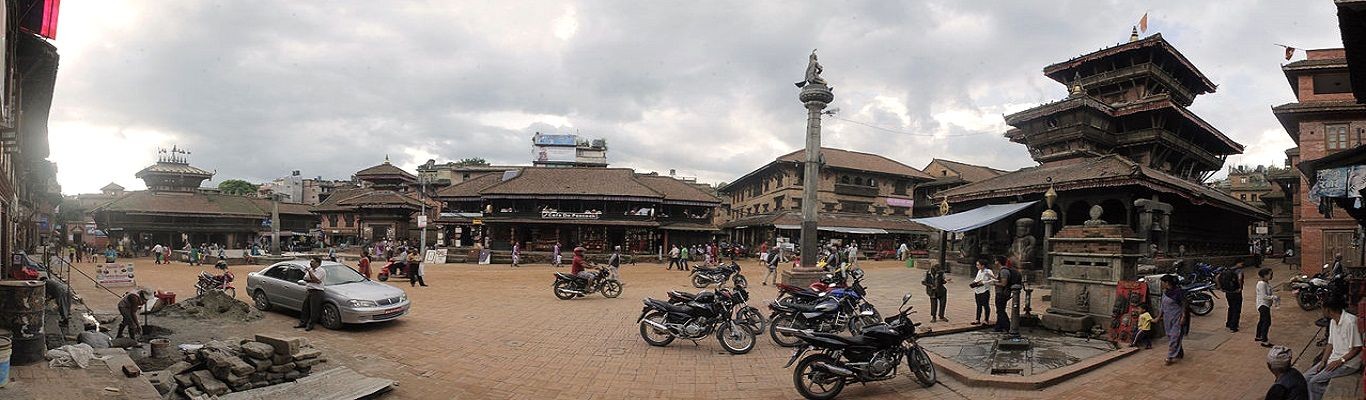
[
  {"x": 275, "y": 224},
  {"x": 422, "y": 219}
]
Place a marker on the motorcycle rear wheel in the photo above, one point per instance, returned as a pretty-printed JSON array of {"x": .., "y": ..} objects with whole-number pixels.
[
  {"x": 780, "y": 338},
  {"x": 646, "y": 330},
  {"x": 1201, "y": 304},
  {"x": 814, "y": 384},
  {"x": 699, "y": 282},
  {"x": 734, "y": 339},
  {"x": 919, "y": 363},
  {"x": 562, "y": 295}
]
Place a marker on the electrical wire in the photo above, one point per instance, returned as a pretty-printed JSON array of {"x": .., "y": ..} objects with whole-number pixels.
[{"x": 890, "y": 130}]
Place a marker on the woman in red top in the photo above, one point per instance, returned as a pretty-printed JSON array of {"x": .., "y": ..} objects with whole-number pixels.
[{"x": 364, "y": 263}]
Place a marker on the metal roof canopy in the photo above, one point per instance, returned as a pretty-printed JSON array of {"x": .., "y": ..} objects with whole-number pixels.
[
  {"x": 840, "y": 229},
  {"x": 974, "y": 218}
]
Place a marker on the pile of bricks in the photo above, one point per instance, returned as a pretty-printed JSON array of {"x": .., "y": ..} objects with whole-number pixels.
[{"x": 221, "y": 367}]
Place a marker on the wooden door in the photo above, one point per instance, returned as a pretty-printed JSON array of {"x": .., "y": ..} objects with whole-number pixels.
[{"x": 1340, "y": 242}]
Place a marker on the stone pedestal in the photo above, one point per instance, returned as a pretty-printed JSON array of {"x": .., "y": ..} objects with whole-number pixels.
[
  {"x": 802, "y": 277},
  {"x": 1088, "y": 263}
]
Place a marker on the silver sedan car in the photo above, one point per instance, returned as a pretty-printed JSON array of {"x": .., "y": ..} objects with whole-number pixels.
[{"x": 348, "y": 297}]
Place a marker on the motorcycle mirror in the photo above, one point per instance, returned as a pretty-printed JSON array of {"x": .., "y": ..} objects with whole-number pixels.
[
  {"x": 301, "y": 282},
  {"x": 906, "y": 299}
]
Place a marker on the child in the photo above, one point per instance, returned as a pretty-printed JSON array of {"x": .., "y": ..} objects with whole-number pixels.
[
  {"x": 1265, "y": 300},
  {"x": 1144, "y": 333}
]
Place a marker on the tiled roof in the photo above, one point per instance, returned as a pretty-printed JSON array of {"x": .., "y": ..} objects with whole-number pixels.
[
  {"x": 351, "y": 199},
  {"x": 470, "y": 187},
  {"x": 969, "y": 172},
  {"x": 196, "y": 203},
  {"x": 163, "y": 167},
  {"x": 111, "y": 187},
  {"x": 839, "y": 158},
  {"x": 674, "y": 189},
  {"x": 1059, "y": 71},
  {"x": 385, "y": 169},
  {"x": 1315, "y": 64},
  {"x": 1288, "y": 113},
  {"x": 573, "y": 182},
  {"x": 831, "y": 219},
  {"x": 1098, "y": 172}
]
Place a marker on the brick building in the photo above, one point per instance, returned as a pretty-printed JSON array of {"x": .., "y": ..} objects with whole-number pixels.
[
  {"x": 1325, "y": 119},
  {"x": 864, "y": 197},
  {"x": 384, "y": 207},
  {"x": 947, "y": 175}
]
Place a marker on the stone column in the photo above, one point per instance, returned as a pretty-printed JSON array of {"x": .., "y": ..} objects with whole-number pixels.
[{"x": 815, "y": 97}]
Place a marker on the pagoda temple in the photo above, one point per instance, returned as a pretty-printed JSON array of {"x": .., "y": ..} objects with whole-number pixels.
[{"x": 1122, "y": 139}]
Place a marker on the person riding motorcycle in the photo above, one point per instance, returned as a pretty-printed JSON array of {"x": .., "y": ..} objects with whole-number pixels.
[{"x": 580, "y": 266}]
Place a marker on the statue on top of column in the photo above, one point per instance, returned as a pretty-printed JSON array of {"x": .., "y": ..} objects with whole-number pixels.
[{"x": 813, "y": 72}]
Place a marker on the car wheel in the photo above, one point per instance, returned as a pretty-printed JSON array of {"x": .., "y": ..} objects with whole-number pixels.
[
  {"x": 331, "y": 318},
  {"x": 259, "y": 299}
]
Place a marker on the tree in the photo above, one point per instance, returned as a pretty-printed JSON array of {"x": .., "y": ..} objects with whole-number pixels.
[
  {"x": 237, "y": 187},
  {"x": 471, "y": 161},
  {"x": 71, "y": 211}
]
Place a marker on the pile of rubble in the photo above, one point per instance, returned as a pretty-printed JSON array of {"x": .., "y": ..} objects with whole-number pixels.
[
  {"x": 213, "y": 304},
  {"x": 220, "y": 367}
]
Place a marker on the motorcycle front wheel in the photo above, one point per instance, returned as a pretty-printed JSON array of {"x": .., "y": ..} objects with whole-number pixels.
[
  {"x": 562, "y": 294},
  {"x": 781, "y": 338},
  {"x": 611, "y": 289},
  {"x": 740, "y": 281},
  {"x": 734, "y": 339},
  {"x": 699, "y": 282},
  {"x": 813, "y": 382},
  {"x": 751, "y": 319},
  {"x": 1201, "y": 304},
  {"x": 652, "y": 335},
  {"x": 1308, "y": 301},
  {"x": 919, "y": 363}
]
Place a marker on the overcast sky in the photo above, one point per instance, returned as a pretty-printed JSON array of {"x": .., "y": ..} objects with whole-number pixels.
[{"x": 257, "y": 89}]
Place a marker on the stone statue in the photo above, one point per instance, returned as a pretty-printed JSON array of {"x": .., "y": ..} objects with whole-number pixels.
[
  {"x": 968, "y": 248},
  {"x": 1095, "y": 220},
  {"x": 1022, "y": 250},
  {"x": 813, "y": 72}
]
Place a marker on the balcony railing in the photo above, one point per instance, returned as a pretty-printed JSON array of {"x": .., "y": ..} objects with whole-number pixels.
[{"x": 856, "y": 190}]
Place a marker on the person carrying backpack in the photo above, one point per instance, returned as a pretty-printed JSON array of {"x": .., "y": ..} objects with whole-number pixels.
[{"x": 1231, "y": 283}]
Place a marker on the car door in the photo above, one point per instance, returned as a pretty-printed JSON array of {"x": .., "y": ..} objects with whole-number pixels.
[
  {"x": 272, "y": 282},
  {"x": 290, "y": 290}
]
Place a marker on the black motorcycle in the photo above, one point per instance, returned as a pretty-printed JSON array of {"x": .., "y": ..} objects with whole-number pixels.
[
  {"x": 661, "y": 321},
  {"x": 872, "y": 355},
  {"x": 745, "y": 314},
  {"x": 830, "y": 311},
  {"x": 719, "y": 275},
  {"x": 568, "y": 286}
]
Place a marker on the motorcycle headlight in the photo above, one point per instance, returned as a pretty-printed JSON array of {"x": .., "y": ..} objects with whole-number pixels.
[{"x": 362, "y": 303}]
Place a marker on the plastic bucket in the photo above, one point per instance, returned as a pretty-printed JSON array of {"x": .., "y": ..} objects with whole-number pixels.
[{"x": 5, "y": 349}]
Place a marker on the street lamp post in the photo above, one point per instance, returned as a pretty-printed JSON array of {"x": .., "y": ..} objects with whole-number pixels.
[{"x": 422, "y": 218}]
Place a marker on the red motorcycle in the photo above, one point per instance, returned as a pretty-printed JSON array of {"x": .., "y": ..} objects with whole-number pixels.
[
  {"x": 209, "y": 282},
  {"x": 395, "y": 269}
]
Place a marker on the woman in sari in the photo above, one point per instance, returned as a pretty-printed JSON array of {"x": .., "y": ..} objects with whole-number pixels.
[{"x": 1174, "y": 317}]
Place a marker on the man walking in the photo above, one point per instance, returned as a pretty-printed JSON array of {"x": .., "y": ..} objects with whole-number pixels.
[
  {"x": 556, "y": 254},
  {"x": 683, "y": 259},
  {"x": 1004, "y": 279},
  {"x": 313, "y": 303},
  {"x": 673, "y": 258},
  {"x": 1231, "y": 282},
  {"x": 156, "y": 250},
  {"x": 516, "y": 253},
  {"x": 771, "y": 260}
]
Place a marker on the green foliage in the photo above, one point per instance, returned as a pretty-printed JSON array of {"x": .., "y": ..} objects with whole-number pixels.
[
  {"x": 70, "y": 211},
  {"x": 237, "y": 187}
]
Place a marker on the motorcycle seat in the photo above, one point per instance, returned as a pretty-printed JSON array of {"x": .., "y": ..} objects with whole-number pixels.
[
  {"x": 856, "y": 340},
  {"x": 801, "y": 307},
  {"x": 666, "y": 306},
  {"x": 684, "y": 296},
  {"x": 569, "y": 276}
]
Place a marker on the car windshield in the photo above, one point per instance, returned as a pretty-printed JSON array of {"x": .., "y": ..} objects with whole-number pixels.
[{"x": 341, "y": 275}]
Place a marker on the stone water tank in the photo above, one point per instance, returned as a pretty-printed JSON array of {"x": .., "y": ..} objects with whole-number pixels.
[{"x": 21, "y": 312}]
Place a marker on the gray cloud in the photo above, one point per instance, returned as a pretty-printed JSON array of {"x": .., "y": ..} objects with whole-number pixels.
[{"x": 257, "y": 89}]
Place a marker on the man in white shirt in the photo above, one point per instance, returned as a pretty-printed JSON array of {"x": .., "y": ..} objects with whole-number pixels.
[
  {"x": 314, "y": 276},
  {"x": 156, "y": 252},
  {"x": 1340, "y": 355}
]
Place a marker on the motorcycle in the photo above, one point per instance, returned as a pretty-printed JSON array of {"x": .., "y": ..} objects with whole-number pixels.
[
  {"x": 568, "y": 286},
  {"x": 874, "y": 354},
  {"x": 209, "y": 282},
  {"x": 661, "y": 321},
  {"x": 703, "y": 276},
  {"x": 1312, "y": 291},
  {"x": 395, "y": 269},
  {"x": 832, "y": 311},
  {"x": 745, "y": 314},
  {"x": 1200, "y": 297}
]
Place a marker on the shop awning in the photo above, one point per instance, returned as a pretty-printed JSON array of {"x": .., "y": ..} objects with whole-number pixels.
[
  {"x": 688, "y": 227},
  {"x": 840, "y": 229},
  {"x": 974, "y": 218}
]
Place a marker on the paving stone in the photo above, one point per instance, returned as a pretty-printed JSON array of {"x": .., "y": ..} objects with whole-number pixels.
[
  {"x": 259, "y": 364},
  {"x": 307, "y": 353},
  {"x": 258, "y": 350},
  {"x": 208, "y": 384},
  {"x": 307, "y": 363},
  {"x": 286, "y": 367},
  {"x": 282, "y": 345}
]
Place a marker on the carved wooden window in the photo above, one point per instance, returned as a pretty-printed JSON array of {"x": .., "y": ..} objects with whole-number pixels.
[{"x": 1335, "y": 136}]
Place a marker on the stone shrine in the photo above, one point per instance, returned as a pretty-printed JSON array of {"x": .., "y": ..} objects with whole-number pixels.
[{"x": 1088, "y": 262}]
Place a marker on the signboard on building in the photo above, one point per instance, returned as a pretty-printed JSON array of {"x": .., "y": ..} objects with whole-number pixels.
[
  {"x": 435, "y": 256},
  {"x": 114, "y": 274},
  {"x": 895, "y": 202},
  {"x": 422, "y": 221},
  {"x": 1261, "y": 230},
  {"x": 542, "y": 154},
  {"x": 551, "y": 139},
  {"x": 569, "y": 215}
]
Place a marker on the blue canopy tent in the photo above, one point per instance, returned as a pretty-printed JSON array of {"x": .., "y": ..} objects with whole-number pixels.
[{"x": 968, "y": 220}]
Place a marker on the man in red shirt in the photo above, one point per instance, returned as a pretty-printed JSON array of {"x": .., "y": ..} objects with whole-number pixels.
[{"x": 579, "y": 265}]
